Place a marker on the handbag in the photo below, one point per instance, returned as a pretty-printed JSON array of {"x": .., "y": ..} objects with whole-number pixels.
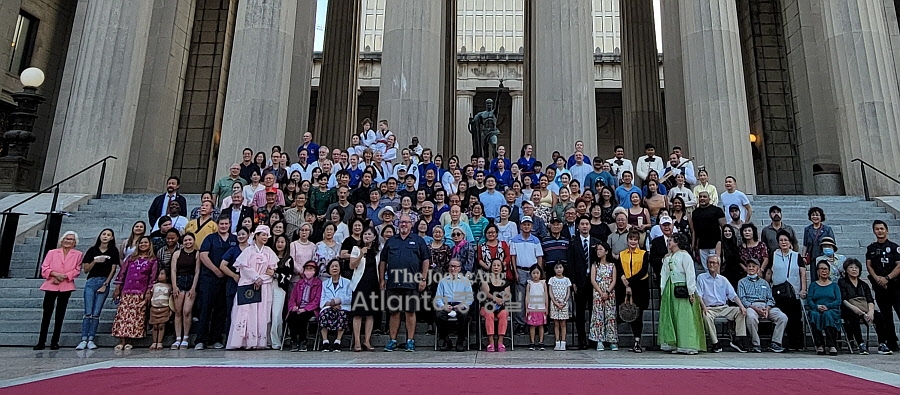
[
  {"x": 681, "y": 291},
  {"x": 783, "y": 291},
  {"x": 246, "y": 294},
  {"x": 860, "y": 303},
  {"x": 628, "y": 311},
  {"x": 358, "y": 272}
]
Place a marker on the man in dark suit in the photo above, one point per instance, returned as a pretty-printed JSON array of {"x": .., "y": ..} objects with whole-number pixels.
[
  {"x": 659, "y": 247},
  {"x": 237, "y": 211},
  {"x": 578, "y": 269},
  {"x": 161, "y": 203}
]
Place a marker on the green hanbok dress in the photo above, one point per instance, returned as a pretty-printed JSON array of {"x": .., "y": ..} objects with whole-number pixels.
[{"x": 680, "y": 321}]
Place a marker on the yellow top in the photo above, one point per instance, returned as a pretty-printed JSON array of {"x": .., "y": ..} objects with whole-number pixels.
[{"x": 632, "y": 262}]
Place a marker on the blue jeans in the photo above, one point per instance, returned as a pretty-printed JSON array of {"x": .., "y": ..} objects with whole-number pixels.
[{"x": 93, "y": 305}]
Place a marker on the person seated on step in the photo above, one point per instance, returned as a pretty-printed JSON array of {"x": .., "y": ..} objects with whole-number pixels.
[
  {"x": 756, "y": 294},
  {"x": 453, "y": 300},
  {"x": 715, "y": 292},
  {"x": 857, "y": 305}
]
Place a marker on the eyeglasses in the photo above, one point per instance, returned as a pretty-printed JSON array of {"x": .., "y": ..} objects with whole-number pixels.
[
  {"x": 405, "y": 222},
  {"x": 455, "y": 266}
]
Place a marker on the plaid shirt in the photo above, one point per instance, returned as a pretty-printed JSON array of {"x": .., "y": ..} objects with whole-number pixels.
[{"x": 756, "y": 290}]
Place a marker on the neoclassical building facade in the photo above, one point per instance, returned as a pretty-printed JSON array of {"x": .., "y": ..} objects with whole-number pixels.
[{"x": 769, "y": 91}]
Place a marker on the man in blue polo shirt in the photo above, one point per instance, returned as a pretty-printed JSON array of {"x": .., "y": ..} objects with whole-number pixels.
[
  {"x": 526, "y": 252},
  {"x": 211, "y": 286},
  {"x": 491, "y": 199},
  {"x": 402, "y": 272}
]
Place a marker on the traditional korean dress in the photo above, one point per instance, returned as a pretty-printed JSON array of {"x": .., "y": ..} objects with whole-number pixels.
[{"x": 250, "y": 322}]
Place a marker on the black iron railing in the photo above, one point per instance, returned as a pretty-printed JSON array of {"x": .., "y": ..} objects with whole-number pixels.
[{"x": 862, "y": 170}]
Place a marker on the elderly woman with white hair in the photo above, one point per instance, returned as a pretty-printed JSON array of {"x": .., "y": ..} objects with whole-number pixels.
[{"x": 59, "y": 269}]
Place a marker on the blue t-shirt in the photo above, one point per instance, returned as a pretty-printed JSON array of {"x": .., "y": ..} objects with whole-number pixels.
[
  {"x": 216, "y": 247},
  {"x": 403, "y": 258},
  {"x": 623, "y": 195}
]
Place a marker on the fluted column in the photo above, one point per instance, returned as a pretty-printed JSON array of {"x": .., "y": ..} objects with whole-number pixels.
[
  {"x": 159, "y": 106},
  {"x": 337, "y": 97},
  {"x": 102, "y": 104},
  {"x": 301, "y": 76},
  {"x": 715, "y": 95},
  {"x": 517, "y": 133},
  {"x": 861, "y": 64},
  {"x": 673, "y": 72},
  {"x": 256, "y": 104},
  {"x": 465, "y": 105},
  {"x": 561, "y": 75},
  {"x": 644, "y": 121},
  {"x": 411, "y": 70}
]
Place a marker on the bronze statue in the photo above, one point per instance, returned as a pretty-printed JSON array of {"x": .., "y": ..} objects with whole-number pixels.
[{"x": 483, "y": 127}]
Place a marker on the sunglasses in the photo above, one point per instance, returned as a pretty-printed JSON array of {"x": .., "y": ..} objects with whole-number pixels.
[{"x": 456, "y": 234}]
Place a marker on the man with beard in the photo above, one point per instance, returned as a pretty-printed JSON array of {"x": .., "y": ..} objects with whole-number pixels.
[{"x": 769, "y": 234}]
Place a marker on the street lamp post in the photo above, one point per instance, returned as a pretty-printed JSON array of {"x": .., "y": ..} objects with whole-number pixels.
[
  {"x": 20, "y": 134},
  {"x": 15, "y": 167}
]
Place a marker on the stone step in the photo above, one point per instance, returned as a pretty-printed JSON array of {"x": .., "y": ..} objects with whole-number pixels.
[
  {"x": 35, "y": 314},
  {"x": 69, "y": 326}
]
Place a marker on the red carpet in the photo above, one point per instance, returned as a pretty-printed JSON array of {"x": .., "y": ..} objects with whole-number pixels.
[{"x": 438, "y": 381}]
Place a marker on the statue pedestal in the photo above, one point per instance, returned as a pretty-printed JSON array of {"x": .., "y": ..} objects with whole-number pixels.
[{"x": 14, "y": 172}]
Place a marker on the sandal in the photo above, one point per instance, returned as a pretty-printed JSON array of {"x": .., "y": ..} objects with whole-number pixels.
[
  {"x": 118, "y": 347},
  {"x": 368, "y": 348},
  {"x": 637, "y": 348},
  {"x": 152, "y": 346},
  {"x": 177, "y": 344},
  {"x": 128, "y": 346}
]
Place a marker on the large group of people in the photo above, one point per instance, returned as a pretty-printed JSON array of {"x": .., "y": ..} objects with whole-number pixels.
[{"x": 355, "y": 239}]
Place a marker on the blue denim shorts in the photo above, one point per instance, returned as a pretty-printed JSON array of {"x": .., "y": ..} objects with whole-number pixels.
[{"x": 185, "y": 282}]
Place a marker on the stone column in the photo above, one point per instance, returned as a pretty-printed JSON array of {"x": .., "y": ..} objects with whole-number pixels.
[
  {"x": 256, "y": 103},
  {"x": 102, "y": 103},
  {"x": 673, "y": 71},
  {"x": 517, "y": 132},
  {"x": 159, "y": 105},
  {"x": 411, "y": 70},
  {"x": 336, "y": 102},
  {"x": 644, "y": 121},
  {"x": 715, "y": 94},
  {"x": 857, "y": 42},
  {"x": 561, "y": 75},
  {"x": 465, "y": 106},
  {"x": 301, "y": 77}
]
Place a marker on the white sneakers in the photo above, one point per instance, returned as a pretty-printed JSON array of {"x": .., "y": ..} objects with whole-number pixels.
[
  {"x": 560, "y": 346},
  {"x": 82, "y": 345},
  {"x": 91, "y": 345}
]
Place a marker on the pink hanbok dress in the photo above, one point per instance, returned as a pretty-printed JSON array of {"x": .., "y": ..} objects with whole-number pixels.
[{"x": 250, "y": 322}]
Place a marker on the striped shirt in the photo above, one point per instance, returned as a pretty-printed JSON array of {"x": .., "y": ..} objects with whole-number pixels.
[
  {"x": 525, "y": 250},
  {"x": 755, "y": 290}
]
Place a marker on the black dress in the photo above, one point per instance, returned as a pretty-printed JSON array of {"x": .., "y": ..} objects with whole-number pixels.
[{"x": 368, "y": 289}]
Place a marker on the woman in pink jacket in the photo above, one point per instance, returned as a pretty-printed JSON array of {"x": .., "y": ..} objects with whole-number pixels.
[{"x": 60, "y": 268}]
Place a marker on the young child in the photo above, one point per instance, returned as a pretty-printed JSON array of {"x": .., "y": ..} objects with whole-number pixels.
[
  {"x": 603, "y": 316},
  {"x": 536, "y": 307},
  {"x": 161, "y": 307},
  {"x": 560, "y": 293}
]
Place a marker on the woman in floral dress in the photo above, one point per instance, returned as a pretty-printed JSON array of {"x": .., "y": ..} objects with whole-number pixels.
[{"x": 603, "y": 317}]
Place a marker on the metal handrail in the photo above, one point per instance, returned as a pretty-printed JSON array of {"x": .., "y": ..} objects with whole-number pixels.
[
  {"x": 862, "y": 169},
  {"x": 56, "y": 185}
]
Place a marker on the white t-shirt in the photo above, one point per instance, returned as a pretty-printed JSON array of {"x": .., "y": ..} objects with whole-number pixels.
[{"x": 738, "y": 198}]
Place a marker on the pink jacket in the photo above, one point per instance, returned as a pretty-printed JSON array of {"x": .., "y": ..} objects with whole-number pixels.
[{"x": 70, "y": 265}]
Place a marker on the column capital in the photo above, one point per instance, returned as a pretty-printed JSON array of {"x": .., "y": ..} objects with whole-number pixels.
[
  {"x": 465, "y": 93},
  {"x": 517, "y": 93}
]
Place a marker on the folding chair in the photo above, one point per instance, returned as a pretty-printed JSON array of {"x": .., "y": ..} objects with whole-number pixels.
[
  {"x": 727, "y": 328},
  {"x": 508, "y": 336},
  {"x": 437, "y": 335}
]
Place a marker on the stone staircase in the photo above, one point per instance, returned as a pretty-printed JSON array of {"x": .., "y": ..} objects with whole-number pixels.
[{"x": 20, "y": 298}]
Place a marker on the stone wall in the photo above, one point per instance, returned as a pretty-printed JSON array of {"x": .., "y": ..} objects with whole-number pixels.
[
  {"x": 200, "y": 121},
  {"x": 50, "y": 47},
  {"x": 769, "y": 97}
]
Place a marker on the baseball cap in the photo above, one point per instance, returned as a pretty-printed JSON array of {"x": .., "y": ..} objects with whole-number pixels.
[
  {"x": 526, "y": 219},
  {"x": 665, "y": 220},
  {"x": 271, "y": 190}
]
